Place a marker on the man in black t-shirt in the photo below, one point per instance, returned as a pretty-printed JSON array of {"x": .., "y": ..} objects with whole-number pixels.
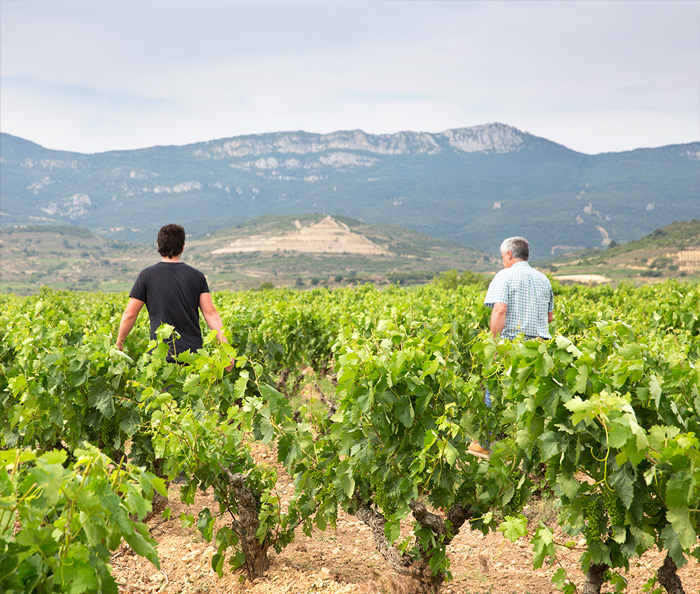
[{"x": 173, "y": 293}]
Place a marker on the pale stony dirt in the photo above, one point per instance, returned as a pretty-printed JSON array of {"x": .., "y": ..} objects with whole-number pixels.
[
  {"x": 595, "y": 279},
  {"x": 344, "y": 560},
  {"x": 327, "y": 236}
]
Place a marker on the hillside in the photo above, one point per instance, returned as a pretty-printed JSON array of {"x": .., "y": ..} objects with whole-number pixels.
[
  {"x": 472, "y": 186},
  {"x": 304, "y": 251},
  {"x": 670, "y": 252}
]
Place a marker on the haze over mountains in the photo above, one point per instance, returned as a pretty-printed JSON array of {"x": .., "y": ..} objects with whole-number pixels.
[{"x": 473, "y": 186}]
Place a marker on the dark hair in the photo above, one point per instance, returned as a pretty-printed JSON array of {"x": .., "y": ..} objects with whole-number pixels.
[
  {"x": 171, "y": 240},
  {"x": 518, "y": 246}
]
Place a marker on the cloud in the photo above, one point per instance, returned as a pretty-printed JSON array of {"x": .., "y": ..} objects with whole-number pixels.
[{"x": 107, "y": 75}]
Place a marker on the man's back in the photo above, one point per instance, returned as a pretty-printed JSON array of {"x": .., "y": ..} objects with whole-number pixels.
[
  {"x": 529, "y": 297},
  {"x": 171, "y": 292}
]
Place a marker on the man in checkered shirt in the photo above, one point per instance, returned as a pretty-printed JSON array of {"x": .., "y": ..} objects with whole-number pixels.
[
  {"x": 521, "y": 297},
  {"x": 522, "y": 302}
]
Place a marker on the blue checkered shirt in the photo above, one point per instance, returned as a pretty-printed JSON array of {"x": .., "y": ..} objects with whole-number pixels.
[{"x": 528, "y": 296}]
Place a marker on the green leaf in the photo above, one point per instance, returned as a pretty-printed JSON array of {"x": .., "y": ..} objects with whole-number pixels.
[
  {"x": 449, "y": 453},
  {"x": 623, "y": 481},
  {"x": 679, "y": 489},
  {"x": 568, "y": 484},
  {"x": 559, "y": 578},
  {"x": 543, "y": 542},
  {"x": 192, "y": 383},
  {"x": 564, "y": 343},
  {"x": 544, "y": 364},
  {"x": 581, "y": 382},
  {"x": 392, "y": 530},
  {"x": 513, "y": 528},
  {"x": 241, "y": 384},
  {"x": 672, "y": 545},
  {"x": 631, "y": 350},
  {"x": 679, "y": 517},
  {"x": 600, "y": 552},
  {"x": 582, "y": 409},
  {"x": 76, "y": 575},
  {"x": 143, "y": 546},
  {"x": 430, "y": 369},
  {"x": 619, "y": 432},
  {"x": 655, "y": 389},
  {"x": 551, "y": 444},
  {"x": 104, "y": 402},
  {"x": 347, "y": 482},
  {"x": 405, "y": 412},
  {"x": 429, "y": 439}
]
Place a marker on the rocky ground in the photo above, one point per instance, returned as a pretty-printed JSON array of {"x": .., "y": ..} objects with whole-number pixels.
[{"x": 344, "y": 560}]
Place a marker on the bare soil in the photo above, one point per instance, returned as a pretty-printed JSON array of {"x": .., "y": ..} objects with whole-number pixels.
[
  {"x": 327, "y": 236},
  {"x": 344, "y": 560},
  {"x": 595, "y": 279}
]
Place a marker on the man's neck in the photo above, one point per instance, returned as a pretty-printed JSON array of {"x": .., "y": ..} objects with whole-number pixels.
[
  {"x": 172, "y": 260},
  {"x": 513, "y": 262}
]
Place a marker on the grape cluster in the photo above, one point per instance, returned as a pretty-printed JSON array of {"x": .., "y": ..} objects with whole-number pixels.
[
  {"x": 324, "y": 490},
  {"x": 386, "y": 501},
  {"x": 613, "y": 506},
  {"x": 515, "y": 505},
  {"x": 104, "y": 435},
  {"x": 316, "y": 475},
  {"x": 596, "y": 520}
]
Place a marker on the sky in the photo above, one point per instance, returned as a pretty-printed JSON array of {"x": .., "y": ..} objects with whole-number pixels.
[{"x": 595, "y": 76}]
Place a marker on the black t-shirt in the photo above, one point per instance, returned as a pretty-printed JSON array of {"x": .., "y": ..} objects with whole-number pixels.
[{"x": 171, "y": 292}]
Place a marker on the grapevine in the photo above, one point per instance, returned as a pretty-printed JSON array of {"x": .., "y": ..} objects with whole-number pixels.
[{"x": 613, "y": 397}]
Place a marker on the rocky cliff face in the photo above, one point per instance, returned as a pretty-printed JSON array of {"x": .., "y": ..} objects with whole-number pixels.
[
  {"x": 300, "y": 156},
  {"x": 497, "y": 138},
  {"x": 488, "y": 138}
]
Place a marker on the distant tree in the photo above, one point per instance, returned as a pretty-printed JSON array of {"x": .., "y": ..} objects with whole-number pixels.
[{"x": 452, "y": 279}]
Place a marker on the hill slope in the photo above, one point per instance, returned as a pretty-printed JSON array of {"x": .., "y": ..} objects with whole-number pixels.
[
  {"x": 670, "y": 252},
  {"x": 473, "y": 186},
  {"x": 304, "y": 251}
]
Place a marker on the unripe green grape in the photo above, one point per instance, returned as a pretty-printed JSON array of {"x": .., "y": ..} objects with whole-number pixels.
[
  {"x": 515, "y": 504},
  {"x": 316, "y": 475},
  {"x": 614, "y": 507},
  {"x": 595, "y": 517},
  {"x": 387, "y": 502},
  {"x": 104, "y": 435}
]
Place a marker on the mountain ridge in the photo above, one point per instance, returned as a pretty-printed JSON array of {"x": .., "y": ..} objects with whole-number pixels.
[
  {"x": 493, "y": 136},
  {"x": 470, "y": 185}
]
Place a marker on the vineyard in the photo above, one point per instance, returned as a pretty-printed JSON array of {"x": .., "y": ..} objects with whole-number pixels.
[{"x": 604, "y": 418}]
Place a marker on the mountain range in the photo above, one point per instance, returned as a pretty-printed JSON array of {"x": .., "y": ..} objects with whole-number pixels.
[{"x": 474, "y": 186}]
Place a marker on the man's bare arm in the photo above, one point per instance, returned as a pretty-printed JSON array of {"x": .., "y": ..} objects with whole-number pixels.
[
  {"x": 128, "y": 320},
  {"x": 498, "y": 318},
  {"x": 213, "y": 319},
  {"x": 211, "y": 316}
]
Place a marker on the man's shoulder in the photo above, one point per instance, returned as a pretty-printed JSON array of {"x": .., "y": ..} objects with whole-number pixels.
[
  {"x": 502, "y": 274},
  {"x": 149, "y": 270},
  {"x": 188, "y": 269},
  {"x": 539, "y": 274},
  {"x": 523, "y": 267}
]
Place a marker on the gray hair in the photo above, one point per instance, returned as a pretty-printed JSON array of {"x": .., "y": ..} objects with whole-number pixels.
[{"x": 519, "y": 247}]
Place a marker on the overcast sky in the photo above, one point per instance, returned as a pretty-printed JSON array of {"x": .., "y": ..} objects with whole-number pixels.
[{"x": 595, "y": 76}]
